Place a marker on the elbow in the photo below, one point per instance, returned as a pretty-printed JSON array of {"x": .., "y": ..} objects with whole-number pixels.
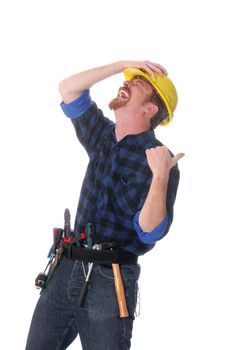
[
  {"x": 62, "y": 88},
  {"x": 67, "y": 93},
  {"x": 147, "y": 226}
]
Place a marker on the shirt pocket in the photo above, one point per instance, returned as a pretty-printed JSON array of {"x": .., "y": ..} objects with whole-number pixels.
[{"x": 127, "y": 191}]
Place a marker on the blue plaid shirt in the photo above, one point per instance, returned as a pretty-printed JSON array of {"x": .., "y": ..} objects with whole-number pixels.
[{"x": 117, "y": 179}]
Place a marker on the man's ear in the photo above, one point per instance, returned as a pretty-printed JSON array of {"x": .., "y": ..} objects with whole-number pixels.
[{"x": 151, "y": 109}]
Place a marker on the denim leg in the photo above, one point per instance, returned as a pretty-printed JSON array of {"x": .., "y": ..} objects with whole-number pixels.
[
  {"x": 58, "y": 318},
  {"x": 100, "y": 326},
  {"x": 53, "y": 326}
]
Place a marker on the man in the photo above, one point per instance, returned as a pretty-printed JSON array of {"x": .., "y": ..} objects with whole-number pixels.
[{"x": 128, "y": 193}]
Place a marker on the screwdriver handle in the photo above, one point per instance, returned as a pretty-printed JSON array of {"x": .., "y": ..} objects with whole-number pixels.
[
  {"x": 83, "y": 293},
  {"x": 90, "y": 231}
]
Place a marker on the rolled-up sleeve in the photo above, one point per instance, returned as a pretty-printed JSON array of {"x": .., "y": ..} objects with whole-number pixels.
[
  {"x": 152, "y": 236},
  {"x": 78, "y": 107}
]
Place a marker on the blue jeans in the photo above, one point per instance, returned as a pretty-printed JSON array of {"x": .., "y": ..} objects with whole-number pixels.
[{"x": 58, "y": 318}]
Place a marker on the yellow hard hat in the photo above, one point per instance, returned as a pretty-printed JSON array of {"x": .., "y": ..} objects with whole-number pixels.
[{"x": 164, "y": 87}]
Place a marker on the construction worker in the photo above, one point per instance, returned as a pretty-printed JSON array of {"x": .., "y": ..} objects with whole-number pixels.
[{"x": 128, "y": 192}]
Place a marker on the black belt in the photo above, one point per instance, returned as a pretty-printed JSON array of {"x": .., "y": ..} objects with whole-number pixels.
[{"x": 116, "y": 256}]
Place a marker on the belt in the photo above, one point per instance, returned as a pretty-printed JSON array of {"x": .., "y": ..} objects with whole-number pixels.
[{"x": 117, "y": 256}]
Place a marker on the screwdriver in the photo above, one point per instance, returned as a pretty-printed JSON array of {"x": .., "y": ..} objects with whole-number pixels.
[
  {"x": 85, "y": 287},
  {"x": 90, "y": 230}
]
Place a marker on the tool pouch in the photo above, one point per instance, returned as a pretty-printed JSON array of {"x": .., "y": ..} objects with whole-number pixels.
[{"x": 61, "y": 237}]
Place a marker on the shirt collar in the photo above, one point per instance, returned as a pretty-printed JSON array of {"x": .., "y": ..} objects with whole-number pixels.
[{"x": 142, "y": 140}]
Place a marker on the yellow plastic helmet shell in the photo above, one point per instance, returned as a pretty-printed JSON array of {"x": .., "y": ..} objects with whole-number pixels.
[{"x": 164, "y": 87}]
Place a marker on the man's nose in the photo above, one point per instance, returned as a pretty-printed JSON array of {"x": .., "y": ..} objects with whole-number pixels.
[{"x": 127, "y": 83}]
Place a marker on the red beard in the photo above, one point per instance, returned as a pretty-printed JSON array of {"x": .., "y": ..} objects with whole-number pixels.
[{"x": 117, "y": 102}]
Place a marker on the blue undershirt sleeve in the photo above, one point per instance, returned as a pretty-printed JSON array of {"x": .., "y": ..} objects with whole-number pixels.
[
  {"x": 152, "y": 236},
  {"x": 78, "y": 107}
]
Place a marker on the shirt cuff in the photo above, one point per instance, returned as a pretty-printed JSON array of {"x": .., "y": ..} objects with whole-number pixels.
[
  {"x": 78, "y": 107},
  {"x": 152, "y": 236}
]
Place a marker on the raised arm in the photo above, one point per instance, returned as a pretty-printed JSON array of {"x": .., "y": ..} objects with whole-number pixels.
[
  {"x": 73, "y": 86},
  {"x": 154, "y": 208}
]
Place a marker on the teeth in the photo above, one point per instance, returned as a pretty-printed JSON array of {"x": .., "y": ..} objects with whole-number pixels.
[{"x": 123, "y": 93}]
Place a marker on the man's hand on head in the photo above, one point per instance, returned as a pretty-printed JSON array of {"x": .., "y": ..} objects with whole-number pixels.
[{"x": 146, "y": 66}]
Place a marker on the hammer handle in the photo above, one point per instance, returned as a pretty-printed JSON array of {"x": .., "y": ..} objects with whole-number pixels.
[{"x": 120, "y": 291}]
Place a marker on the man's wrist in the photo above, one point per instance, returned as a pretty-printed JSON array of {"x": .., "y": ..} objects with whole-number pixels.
[{"x": 160, "y": 177}]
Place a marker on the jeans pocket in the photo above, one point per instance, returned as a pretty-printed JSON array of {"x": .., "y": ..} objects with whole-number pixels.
[
  {"x": 106, "y": 272},
  {"x": 131, "y": 289},
  {"x": 130, "y": 276}
]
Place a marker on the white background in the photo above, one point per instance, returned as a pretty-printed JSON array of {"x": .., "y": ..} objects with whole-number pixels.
[{"x": 186, "y": 281}]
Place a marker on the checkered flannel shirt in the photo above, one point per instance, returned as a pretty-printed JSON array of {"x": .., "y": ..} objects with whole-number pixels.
[{"x": 117, "y": 179}]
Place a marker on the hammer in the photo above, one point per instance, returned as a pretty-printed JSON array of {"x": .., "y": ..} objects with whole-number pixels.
[{"x": 120, "y": 291}]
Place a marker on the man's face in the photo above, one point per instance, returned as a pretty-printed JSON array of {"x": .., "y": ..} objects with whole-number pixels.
[{"x": 134, "y": 92}]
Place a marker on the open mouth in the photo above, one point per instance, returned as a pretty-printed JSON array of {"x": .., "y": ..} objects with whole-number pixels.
[{"x": 123, "y": 93}]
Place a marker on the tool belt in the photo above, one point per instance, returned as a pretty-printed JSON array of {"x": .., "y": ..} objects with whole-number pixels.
[
  {"x": 117, "y": 256},
  {"x": 80, "y": 247}
]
